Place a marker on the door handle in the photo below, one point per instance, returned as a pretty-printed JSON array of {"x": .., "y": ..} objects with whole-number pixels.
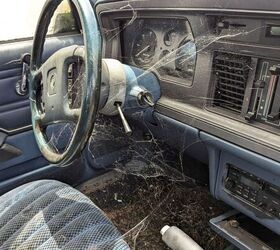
[{"x": 22, "y": 84}]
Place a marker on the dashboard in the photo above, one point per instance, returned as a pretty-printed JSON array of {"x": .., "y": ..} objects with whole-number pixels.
[
  {"x": 218, "y": 64},
  {"x": 214, "y": 65}
]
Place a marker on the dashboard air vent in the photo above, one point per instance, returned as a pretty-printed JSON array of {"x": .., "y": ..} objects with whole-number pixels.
[{"x": 231, "y": 72}]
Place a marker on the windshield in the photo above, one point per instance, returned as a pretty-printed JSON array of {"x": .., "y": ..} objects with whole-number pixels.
[{"x": 19, "y": 18}]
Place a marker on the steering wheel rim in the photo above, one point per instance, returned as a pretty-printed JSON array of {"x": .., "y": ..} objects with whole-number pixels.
[{"x": 91, "y": 87}]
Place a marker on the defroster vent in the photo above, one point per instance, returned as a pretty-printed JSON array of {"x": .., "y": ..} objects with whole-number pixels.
[{"x": 231, "y": 73}]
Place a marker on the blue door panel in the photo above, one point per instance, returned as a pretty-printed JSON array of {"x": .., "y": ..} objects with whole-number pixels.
[
  {"x": 26, "y": 143},
  {"x": 8, "y": 81},
  {"x": 14, "y": 109},
  {"x": 15, "y": 119},
  {"x": 15, "y": 115}
]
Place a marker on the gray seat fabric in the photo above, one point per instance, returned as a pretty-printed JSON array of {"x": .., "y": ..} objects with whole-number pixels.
[{"x": 48, "y": 214}]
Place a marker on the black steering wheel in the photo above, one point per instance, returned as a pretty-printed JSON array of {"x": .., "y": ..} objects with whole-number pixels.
[{"x": 48, "y": 81}]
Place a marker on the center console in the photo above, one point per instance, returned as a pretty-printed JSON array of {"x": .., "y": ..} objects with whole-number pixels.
[
  {"x": 253, "y": 190},
  {"x": 247, "y": 181}
]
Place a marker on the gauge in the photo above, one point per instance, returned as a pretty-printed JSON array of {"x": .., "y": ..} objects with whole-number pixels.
[
  {"x": 170, "y": 37},
  {"x": 166, "y": 59},
  {"x": 144, "y": 48},
  {"x": 186, "y": 58}
]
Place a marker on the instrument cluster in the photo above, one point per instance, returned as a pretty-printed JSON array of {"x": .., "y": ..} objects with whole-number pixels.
[{"x": 165, "y": 46}]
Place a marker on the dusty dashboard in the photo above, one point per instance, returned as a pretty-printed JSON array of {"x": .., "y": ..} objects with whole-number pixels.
[{"x": 218, "y": 70}]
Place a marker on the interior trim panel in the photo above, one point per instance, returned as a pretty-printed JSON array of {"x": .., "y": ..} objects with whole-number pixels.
[
  {"x": 259, "y": 6},
  {"x": 260, "y": 141},
  {"x": 15, "y": 116},
  {"x": 254, "y": 170}
]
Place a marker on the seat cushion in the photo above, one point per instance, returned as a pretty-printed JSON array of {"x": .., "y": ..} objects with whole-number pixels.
[{"x": 48, "y": 214}]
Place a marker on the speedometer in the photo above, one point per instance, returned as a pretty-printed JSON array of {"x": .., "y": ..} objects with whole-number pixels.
[{"x": 144, "y": 48}]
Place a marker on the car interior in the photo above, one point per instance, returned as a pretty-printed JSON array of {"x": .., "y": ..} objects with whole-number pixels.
[{"x": 140, "y": 124}]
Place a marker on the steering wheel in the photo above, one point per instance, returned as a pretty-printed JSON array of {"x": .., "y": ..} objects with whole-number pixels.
[{"x": 49, "y": 81}]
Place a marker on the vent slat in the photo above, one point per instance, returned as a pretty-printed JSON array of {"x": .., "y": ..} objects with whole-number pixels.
[
  {"x": 231, "y": 86},
  {"x": 228, "y": 67},
  {"x": 232, "y": 80},
  {"x": 231, "y": 92},
  {"x": 231, "y": 72},
  {"x": 232, "y": 58},
  {"x": 232, "y": 97}
]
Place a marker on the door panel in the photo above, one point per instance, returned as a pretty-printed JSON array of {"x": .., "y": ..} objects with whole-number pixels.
[
  {"x": 25, "y": 142},
  {"x": 8, "y": 80},
  {"x": 15, "y": 116},
  {"x": 14, "y": 109}
]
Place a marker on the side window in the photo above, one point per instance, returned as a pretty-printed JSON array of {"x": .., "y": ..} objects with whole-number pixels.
[
  {"x": 18, "y": 19},
  {"x": 62, "y": 20}
]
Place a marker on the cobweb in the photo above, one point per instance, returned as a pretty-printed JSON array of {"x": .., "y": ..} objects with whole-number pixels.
[
  {"x": 151, "y": 181},
  {"x": 60, "y": 136},
  {"x": 143, "y": 155}
]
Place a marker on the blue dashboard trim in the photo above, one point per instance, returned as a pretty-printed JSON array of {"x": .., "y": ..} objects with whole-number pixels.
[{"x": 178, "y": 135}]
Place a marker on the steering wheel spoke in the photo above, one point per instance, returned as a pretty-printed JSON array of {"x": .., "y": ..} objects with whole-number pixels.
[{"x": 72, "y": 115}]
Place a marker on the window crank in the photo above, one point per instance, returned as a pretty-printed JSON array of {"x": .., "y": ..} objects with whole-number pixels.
[
  {"x": 126, "y": 126},
  {"x": 22, "y": 84}
]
